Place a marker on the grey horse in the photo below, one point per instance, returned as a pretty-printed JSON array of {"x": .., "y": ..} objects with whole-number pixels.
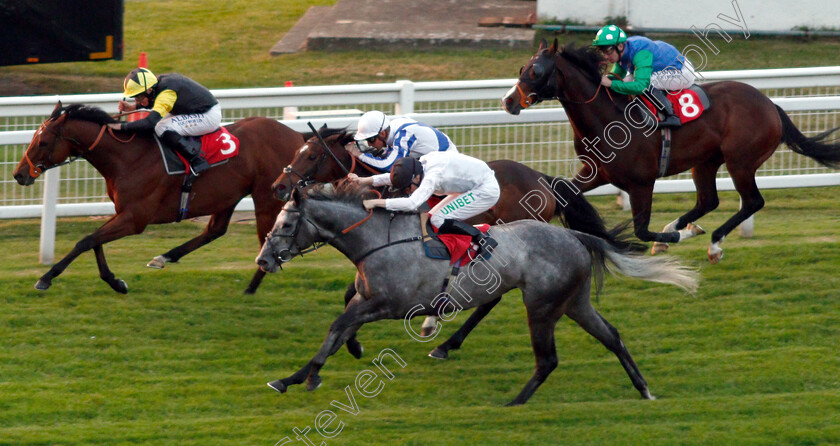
[{"x": 553, "y": 267}]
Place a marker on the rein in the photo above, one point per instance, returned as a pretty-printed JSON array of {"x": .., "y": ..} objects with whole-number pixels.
[
  {"x": 35, "y": 170},
  {"x": 344, "y": 231}
]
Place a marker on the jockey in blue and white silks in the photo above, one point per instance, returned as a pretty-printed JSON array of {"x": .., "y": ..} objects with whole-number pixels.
[{"x": 383, "y": 141}]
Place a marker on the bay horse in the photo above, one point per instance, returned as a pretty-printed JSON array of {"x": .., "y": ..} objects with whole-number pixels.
[
  {"x": 741, "y": 129},
  {"x": 144, "y": 194},
  {"x": 552, "y": 266},
  {"x": 525, "y": 194}
]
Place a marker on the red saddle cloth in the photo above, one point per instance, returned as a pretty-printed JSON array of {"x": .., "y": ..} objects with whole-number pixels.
[
  {"x": 687, "y": 105},
  {"x": 459, "y": 245},
  {"x": 217, "y": 146}
]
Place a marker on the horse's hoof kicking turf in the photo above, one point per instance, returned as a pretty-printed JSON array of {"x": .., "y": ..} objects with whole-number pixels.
[
  {"x": 355, "y": 348},
  {"x": 278, "y": 386},
  {"x": 313, "y": 383},
  {"x": 158, "y": 262},
  {"x": 438, "y": 354}
]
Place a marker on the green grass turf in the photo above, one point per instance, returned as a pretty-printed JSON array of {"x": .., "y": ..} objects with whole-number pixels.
[{"x": 184, "y": 357}]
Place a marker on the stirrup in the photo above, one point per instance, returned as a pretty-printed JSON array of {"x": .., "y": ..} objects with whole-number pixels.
[
  {"x": 485, "y": 249},
  {"x": 670, "y": 121},
  {"x": 203, "y": 165}
]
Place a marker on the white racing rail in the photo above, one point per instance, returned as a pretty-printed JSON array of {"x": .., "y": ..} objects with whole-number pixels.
[{"x": 404, "y": 96}]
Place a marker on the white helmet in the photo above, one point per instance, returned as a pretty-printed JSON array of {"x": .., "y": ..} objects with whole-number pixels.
[{"x": 370, "y": 124}]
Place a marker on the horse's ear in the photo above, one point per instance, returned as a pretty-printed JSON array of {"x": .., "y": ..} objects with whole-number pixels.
[
  {"x": 345, "y": 138},
  {"x": 543, "y": 44},
  {"x": 296, "y": 195},
  {"x": 57, "y": 107},
  {"x": 553, "y": 48}
]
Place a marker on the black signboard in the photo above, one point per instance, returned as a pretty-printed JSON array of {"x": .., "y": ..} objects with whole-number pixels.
[{"x": 48, "y": 31}]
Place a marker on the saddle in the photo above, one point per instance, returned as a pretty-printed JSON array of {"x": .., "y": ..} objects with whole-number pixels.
[
  {"x": 688, "y": 104},
  {"x": 218, "y": 147},
  {"x": 456, "y": 248}
]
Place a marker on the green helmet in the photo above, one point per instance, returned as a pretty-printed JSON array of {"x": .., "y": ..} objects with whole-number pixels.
[{"x": 609, "y": 35}]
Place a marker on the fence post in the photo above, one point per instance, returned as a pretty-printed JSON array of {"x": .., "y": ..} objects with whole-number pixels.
[
  {"x": 48, "y": 215},
  {"x": 406, "y": 104},
  {"x": 747, "y": 227}
]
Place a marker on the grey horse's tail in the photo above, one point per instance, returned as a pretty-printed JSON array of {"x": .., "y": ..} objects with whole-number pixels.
[{"x": 663, "y": 269}]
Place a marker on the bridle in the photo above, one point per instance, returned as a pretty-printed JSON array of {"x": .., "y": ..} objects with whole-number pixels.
[
  {"x": 279, "y": 256},
  {"x": 546, "y": 87},
  {"x": 35, "y": 170},
  {"x": 306, "y": 179}
]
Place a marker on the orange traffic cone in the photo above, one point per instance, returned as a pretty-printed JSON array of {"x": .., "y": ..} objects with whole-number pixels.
[{"x": 289, "y": 112}]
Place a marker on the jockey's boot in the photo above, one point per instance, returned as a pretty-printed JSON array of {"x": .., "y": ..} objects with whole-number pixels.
[
  {"x": 484, "y": 242},
  {"x": 669, "y": 119},
  {"x": 188, "y": 148}
]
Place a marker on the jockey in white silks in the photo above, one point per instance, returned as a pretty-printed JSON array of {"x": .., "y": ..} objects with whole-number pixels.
[{"x": 469, "y": 184}]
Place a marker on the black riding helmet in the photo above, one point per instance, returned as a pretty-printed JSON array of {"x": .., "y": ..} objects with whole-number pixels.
[{"x": 403, "y": 172}]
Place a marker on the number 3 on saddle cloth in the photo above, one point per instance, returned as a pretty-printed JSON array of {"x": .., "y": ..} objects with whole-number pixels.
[{"x": 217, "y": 148}]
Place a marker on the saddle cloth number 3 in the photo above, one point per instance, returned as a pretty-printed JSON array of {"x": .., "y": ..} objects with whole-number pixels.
[{"x": 229, "y": 145}]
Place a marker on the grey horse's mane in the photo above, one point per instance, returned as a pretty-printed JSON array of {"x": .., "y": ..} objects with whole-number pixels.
[{"x": 344, "y": 192}]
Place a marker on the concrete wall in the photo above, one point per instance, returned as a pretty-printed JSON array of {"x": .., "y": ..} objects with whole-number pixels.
[{"x": 764, "y": 15}]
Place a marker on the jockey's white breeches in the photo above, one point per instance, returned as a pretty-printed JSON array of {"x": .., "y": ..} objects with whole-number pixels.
[
  {"x": 193, "y": 124},
  {"x": 673, "y": 80},
  {"x": 468, "y": 204}
]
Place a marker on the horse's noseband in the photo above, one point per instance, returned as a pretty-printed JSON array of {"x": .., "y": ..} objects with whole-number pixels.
[{"x": 542, "y": 88}]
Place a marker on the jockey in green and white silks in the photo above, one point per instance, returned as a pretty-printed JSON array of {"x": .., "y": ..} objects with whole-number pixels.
[
  {"x": 383, "y": 141},
  {"x": 640, "y": 63}
]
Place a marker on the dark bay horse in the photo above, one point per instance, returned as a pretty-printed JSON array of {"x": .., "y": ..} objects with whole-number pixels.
[
  {"x": 741, "y": 130},
  {"x": 552, "y": 266},
  {"x": 525, "y": 192},
  {"x": 144, "y": 194}
]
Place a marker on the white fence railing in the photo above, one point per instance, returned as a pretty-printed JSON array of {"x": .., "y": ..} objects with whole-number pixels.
[{"x": 469, "y": 111}]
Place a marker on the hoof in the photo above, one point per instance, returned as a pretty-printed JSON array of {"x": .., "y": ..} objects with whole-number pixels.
[
  {"x": 120, "y": 286},
  {"x": 658, "y": 248},
  {"x": 248, "y": 291},
  {"x": 513, "y": 403},
  {"x": 696, "y": 229},
  {"x": 647, "y": 396},
  {"x": 278, "y": 386},
  {"x": 437, "y": 353},
  {"x": 425, "y": 332},
  {"x": 313, "y": 383},
  {"x": 355, "y": 348},
  {"x": 158, "y": 262},
  {"x": 715, "y": 253},
  {"x": 42, "y": 285}
]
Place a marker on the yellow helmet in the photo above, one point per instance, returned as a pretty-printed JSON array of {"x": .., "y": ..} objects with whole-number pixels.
[{"x": 138, "y": 81}]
